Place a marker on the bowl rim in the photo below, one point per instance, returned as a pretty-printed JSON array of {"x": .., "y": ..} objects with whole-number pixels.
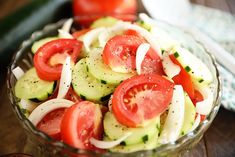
[{"x": 201, "y": 128}]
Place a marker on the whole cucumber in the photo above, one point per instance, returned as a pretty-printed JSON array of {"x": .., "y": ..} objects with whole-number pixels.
[{"x": 19, "y": 25}]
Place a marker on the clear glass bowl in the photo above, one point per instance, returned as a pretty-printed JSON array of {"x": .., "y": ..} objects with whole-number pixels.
[{"x": 39, "y": 144}]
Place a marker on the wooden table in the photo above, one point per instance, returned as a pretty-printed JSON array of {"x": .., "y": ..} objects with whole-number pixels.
[{"x": 218, "y": 141}]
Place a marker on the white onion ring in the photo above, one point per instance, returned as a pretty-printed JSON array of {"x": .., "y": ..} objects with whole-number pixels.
[
  {"x": 43, "y": 109},
  {"x": 109, "y": 144},
  {"x": 65, "y": 79},
  {"x": 175, "y": 118},
  {"x": 18, "y": 72},
  {"x": 140, "y": 54}
]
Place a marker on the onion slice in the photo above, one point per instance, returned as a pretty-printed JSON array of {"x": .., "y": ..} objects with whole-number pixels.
[
  {"x": 65, "y": 79},
  {"x": 175, "y": 118},
  {"x": 109, "y": 144},
  {"x": 43, "y": 109},
  {"x": 91, "y": 36},
  {"x": 18, "y": 72},
  {"x": 65, "y": 35},
  {"x": 67, "y": 25},
  {"x": 204, "y": 107},
  {"x": 196, "y": 123},
  {"x": 169, "y": 67},
  {"x": 140, "y": 54},
  {"x": 28, "y": 105}
]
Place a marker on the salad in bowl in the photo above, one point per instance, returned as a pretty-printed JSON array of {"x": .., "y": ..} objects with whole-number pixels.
[{"x": 115, "y": 88}]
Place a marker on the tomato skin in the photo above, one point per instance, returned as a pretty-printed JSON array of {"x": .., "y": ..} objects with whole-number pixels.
[
  {"x": 120, "y": 52},
  {"x": 72, "y": 96},
  {"x": 90, "y": 7},
  {"x": 80, "y": 122},
  {"x": 50, "y": 124},
  {"x": 183, "y": 78},
  {"x": 131, "y": 109},
  {"x": 197, "y": 97},
  {"x": 87, "y": 11},
  {"x": 44, "y": 53}
]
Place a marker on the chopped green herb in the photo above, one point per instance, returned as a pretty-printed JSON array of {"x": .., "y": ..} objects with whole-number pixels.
[
  {"x": 87, "y": 69},
  {"x": 145, "y": 138},
  {"x": 182, "y": 133},
  {"x": 176, "y": 54},
  {"x": 103, "y": 81},
  {"x": 163, "y": 51},
  {"x": 201, "y": 80},
  {"x": 187, "y": 68}
]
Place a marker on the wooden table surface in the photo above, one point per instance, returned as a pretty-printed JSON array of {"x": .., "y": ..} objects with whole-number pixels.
[{"x": 218, "y": 141}]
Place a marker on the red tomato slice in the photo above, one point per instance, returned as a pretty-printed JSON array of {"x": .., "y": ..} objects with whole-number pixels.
[
  {"x": 120, "y": 53},
  {"x": 141, "y": 98},
  {"x": 183, "y": 78},
  {"x": 72, "y": 96},
  {"x": 50, "y": 124},
  {"x": 82, "y": 121},
  {"x": 79, "y": 33},
  {"x": 197, "y": 97},
  {"x": 42, "y": 57}
]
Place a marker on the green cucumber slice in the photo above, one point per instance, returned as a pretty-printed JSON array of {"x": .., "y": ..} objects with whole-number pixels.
[
  {"x": 148, "y": 145},
  {"x": 189, "y": 115},
  {"x": 114, "y": 130},
  {"x": 31, "y": 87},
  {"x": 194, "y": 66},
  {"x": 87, "y": 86},
  {"x": 104, "y": 22},
  {"x": 39, "y": 43},
  {"x": 102, "y": 71}
]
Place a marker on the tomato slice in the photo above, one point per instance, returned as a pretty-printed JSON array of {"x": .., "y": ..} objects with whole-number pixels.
[
  {"x": 50, "y": 124},
  {"x": 120, "y": 54},
  {"x": 197, "y": 97},
  {"x": 42, "y": 58},
  {"x": 183, "y": 78},
  {"x": 141, "y": 98},
  {"x": 120, "y": 51},
  {"x": 72, "y": 96},
  {"x": 80, "y": 122},
  {"x": 152, "y": 63}
]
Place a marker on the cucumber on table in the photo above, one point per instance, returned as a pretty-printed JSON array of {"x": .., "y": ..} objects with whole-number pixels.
[
  {"x": 103, "y": 72},
  {"x": 31, "y": 87},
  {"x": 114, "y": 130},
  {"x": 87, "y": 86}
]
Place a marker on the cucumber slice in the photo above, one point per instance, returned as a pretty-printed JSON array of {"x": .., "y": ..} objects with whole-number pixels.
[
  {"x": 104, "y": 22},
  {"x": 102, "y": 71},
  {"x": 194, "y": 66},
  {"x": 31, "y": 87},
  {"x": 87, "y": 86},
  {"x": 148, "y": 145},
  {"x": 114, "y": 130},
  {"x": 39, "y": 43},
  {"x": 189, "y": 115}
]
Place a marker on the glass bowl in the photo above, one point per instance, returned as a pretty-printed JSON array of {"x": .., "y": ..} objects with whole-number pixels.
[{"x": 40, "y": 144}]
